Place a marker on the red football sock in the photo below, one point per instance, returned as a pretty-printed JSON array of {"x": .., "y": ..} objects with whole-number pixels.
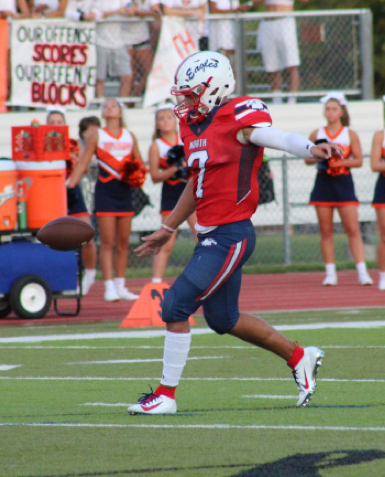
[
  {"x": 296, "y": 357},
  {"x": 169, "y": 392}
]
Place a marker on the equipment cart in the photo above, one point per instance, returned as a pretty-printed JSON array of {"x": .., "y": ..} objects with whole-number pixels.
[{"x": 33, "y": 275}]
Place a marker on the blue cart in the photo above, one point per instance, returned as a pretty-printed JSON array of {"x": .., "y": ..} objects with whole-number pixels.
[{"x": 33, "y": 275}]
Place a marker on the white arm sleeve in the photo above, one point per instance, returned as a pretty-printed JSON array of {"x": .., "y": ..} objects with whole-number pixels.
[{"x": 275, "y": 138}]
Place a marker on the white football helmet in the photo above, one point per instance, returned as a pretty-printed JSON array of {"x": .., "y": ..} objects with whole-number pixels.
[{"x": 202, "y": 80}]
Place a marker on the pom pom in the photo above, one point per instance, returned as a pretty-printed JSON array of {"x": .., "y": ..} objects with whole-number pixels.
[
  {"x": 336, "y": 171},
  {"x": 134, "y": 173}
]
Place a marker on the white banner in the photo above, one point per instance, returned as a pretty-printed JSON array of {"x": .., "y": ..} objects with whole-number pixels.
[
  {"x": 174, "y": 45},
  {"x": 53, "y": 63}
]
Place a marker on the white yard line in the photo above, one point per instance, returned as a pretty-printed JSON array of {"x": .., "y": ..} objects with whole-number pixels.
[
  {"x": 248, "y": 347},
  {"x": 194, "y": 331},
  {"x": 268, "y": 396},
  {"x": 107, "y": 404},
  {"x": 124, "y": 361},
  {"x": 197, "y": 426},
  {"x": 8, "y": 367},
  {"x": 156, "y": 378}
]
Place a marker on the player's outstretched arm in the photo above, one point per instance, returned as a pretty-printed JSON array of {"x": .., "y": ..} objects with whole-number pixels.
[
  {"x": 184, "y": 208},
  {"x": 295, "y": 144}
]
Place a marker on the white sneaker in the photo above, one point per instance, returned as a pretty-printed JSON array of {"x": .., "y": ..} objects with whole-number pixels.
[
  {"x": 305, "y": 374},
  {"x": 381, "y": 285},
  {"x": 87, "y": 283},
  {"x": 111, "y": 295},
  {"x": 125, "y": 294},
  {"x": 365, "y": 279},
  {"x": 151, "y": 403},
  {"x": 330, "y": 280}
]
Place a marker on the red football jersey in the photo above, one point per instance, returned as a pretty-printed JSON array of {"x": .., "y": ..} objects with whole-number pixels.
[{"x": 225, "y": 170}]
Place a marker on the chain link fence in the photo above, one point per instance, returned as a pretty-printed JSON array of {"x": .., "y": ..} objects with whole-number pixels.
[
  {"x": 331, "y": 50},
  {"x": 334, "y": 51},
  {"x": 287, "y": 228}
]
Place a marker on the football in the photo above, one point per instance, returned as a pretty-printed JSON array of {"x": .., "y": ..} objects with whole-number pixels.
[{"x": 65, "y": 233}]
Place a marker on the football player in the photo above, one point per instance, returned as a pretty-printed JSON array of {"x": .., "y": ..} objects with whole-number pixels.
[{"x": 223, "y": 141}]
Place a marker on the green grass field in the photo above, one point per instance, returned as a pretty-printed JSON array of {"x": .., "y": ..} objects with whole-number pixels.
[{"x": 64, "y": 391}]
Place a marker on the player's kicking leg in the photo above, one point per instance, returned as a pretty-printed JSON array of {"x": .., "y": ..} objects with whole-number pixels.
[{"x": 304, "y": 362}]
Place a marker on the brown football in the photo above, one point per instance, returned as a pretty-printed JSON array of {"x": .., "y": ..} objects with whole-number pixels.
[{"x": 65, "y": 233}]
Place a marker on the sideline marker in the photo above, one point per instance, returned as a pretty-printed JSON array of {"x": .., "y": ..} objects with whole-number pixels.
[{"x": 147, "y": 309}]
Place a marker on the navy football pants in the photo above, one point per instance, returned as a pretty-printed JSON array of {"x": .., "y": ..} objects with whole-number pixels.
[{"x": 212, "y": 278}]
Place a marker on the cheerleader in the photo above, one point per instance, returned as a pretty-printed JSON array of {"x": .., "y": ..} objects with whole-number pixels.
[
  {"x": 116, "y": 150},
  {"x": 172, "y": 171},
  {"x": 377, "y": 162},
  {"x": 76, "y": 204},
  {"x": 334, "y": 187}
]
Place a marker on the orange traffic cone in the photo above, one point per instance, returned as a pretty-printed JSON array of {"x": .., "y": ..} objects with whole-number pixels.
[{"x": 147, "y": 309}]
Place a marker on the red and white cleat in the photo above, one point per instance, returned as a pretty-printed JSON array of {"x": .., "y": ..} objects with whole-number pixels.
[
  {"x": 153, "y": 403},
  {"x": 305, "y": 374}
]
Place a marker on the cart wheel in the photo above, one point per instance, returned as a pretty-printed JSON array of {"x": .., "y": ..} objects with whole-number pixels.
[
  {"x": 5, "y": 307},
  {"x": 30, "y": 297}
]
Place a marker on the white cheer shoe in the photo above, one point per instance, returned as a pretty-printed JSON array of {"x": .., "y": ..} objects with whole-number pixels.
[
  {"x": 125, "y": 294},
  {"x": 330, "y": 280},
  {"x": 365, "y": 279},
  {"x": 305, "y": 374},
  {"x": 87, "y": 283},
  {"x": 111, "y": 295}
]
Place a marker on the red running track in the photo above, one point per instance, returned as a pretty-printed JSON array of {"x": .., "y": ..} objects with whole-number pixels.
[{"x": 290, "y": 291}]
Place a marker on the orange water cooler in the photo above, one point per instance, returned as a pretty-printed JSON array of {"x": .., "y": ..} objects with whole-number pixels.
[
  {"x": 42, "y": 188},
  {"x": 39, "y": 153},
  {"x": 8, "y": 195}
]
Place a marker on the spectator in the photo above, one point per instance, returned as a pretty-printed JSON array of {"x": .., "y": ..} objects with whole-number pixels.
[
  {"x": 77, "y": 207},
  {"x": 114, "y": 146},
  {"x": 191, "y": 8},
  {"x": 136, "y": 36},
  {"x": 174, "y": 176},
  {"x": 82, "y": 10},
  {"x": 48, "y": 8},
  {"x": 14, "y": 9},
  {"x": 112, "y": 56},
  {"x": 157, "y": 12},
  {"x": 277, "y": 40},
  {"x": 334, "y": 188},
  {"x": 87, "y": 127},
  {"x": 222, "y": 33},
  {"x": 377, "y": 162}
]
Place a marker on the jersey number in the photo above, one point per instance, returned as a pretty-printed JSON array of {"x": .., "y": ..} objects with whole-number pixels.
[{"x": 202, "y": 158}]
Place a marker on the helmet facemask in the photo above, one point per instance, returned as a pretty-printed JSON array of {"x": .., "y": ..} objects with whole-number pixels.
[{"x": 195, "y": 109}]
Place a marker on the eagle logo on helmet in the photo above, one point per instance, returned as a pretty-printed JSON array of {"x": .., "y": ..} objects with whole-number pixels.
[{"x": 191, "y": 72}]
